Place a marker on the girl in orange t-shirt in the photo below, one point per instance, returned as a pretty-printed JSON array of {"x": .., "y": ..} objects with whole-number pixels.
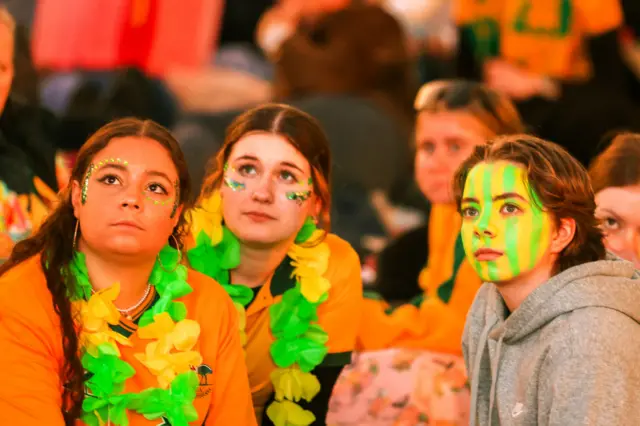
[
  {"x": 297, "y": 288},
  {"x": 100, "y": 323}
]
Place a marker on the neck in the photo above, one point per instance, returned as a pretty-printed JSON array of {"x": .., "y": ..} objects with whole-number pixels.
[
  {"x": 515, "y": 291},
  {"x": 132, "y": 276},
  {"x": 257, "y": 264}
]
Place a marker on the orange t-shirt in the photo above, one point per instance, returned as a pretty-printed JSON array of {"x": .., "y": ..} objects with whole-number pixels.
[
  {"x": 31, "y": 355},
  {"x": 429, "y": 322},
  {"x": 339, "y": 316},
  {"x": 545, "y": 36}
]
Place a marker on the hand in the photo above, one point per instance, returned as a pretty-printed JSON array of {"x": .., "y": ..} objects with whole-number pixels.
[{"x": 513, "y": 81}]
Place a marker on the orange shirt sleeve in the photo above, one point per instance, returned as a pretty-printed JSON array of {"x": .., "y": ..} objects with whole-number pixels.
[
  {"x": 598, "y": 16},
  {"x": 30, "y": 354},
  {"x": 231, "y": 402},
  {"x": 340, "y": 315}
]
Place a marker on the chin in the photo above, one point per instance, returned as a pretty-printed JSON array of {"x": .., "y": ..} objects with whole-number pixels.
[
  {"x": 124, "y": 246},
  {"x": 440, "y": 197},
  {"x": 262, "y": 236}
]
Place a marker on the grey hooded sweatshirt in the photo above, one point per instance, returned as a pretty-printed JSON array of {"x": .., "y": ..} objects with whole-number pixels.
[{"x": 569, "y": 355}]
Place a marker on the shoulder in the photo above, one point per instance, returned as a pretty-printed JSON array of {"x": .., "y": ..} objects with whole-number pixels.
[
  {"x": 26, "y": 299},
  {"x": 340, "y": 249},
  {"x": 24, "y": 284},
  {"x": 208, "y": 298},
  {"x": 343, "y": 259},
  {"x": 597, "y": 331}
]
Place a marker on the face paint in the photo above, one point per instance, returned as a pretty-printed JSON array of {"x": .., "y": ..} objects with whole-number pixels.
[
  {"x": 504, "y": 231},
  {"x": 248, "y": 177},
  {"x": 94, "y": 168},
  {"x": 229, "y": 172},
  {"x": 300, "y": 196}
]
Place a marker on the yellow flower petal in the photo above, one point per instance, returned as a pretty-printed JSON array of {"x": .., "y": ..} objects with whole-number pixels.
[
  {"x": 287, "y": 413},
  {"x": 294, "y": 384},
  {"x": 208, "y": 218},
  {"x": 162, "y": 325},
  {"x": 185, "y": 334},
  {"x": 312, "y": 288}
]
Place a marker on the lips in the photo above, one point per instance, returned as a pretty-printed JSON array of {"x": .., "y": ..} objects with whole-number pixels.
[
  {"x": 487, "y": 254},
  {"x": 127, "y": 224},
  {"x": 259, "y": 216}
]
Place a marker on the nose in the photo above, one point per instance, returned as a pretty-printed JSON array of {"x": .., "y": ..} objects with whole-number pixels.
[
  {"x": 132, "y": 198},
  {"x": 263, "y": 192},
  {"x": 483, "y": 227}
]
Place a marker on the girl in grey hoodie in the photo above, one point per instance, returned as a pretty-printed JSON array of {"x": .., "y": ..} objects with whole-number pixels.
[{"x": 553, "y": 337}]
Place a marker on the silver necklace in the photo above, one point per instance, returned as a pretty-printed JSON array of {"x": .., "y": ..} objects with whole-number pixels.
[{"x": 126, "y": 311}]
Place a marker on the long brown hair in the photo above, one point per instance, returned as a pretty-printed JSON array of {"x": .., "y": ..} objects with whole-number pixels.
[
  {"x": 558, "y": 180},
  {"x": 54, "y": 242},
  {"x": 618, "y": 165},
  {"x": 299, "y": 128}
]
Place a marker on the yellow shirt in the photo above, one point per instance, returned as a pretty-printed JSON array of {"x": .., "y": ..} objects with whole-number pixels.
[
  {"x": 339, "y": 316},
  {"x": 543, "y": 36}
]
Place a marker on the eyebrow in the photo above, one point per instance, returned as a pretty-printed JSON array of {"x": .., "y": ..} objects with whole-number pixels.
[
  {"x": 504, "y": 196},
  {"x": 125, "y": 169},
  {"x": 282, "y": 163}
]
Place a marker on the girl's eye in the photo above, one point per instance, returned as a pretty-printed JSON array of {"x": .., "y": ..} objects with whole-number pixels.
[
  {"x": 157, "y": 188},
  {"x": 470, "y": 212},
  {"x": 510, "y": 209},
  {"x": 610, "y": 224},
  {"x": 109, "y": 179},
  {"x": 428, "y": 147},
  {"x": 247, "y": 170},
  {"x": 287, "y": 176}
]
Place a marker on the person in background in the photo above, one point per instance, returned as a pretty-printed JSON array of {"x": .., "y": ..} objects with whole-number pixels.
[
  {"x": 615, "y": 176},
  {"x": 262, "y": 230},
  {"x": 452, "y": 118},
  {"x": 559, "y": 61},
  {"x": 101, "y": 323},
  {"x": 28, "y": 179},
  {"x": 553, "y": 336}
]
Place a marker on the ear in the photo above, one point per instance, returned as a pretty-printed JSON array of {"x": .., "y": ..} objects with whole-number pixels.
[
  {"x": 315, "y": 207},
  {"x": 563, "y": 235},
  {"x": 76, "y": 197},
  {"x": 176, "y": 216}
]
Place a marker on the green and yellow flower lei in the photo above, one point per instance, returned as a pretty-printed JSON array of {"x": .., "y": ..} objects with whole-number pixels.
[
  {"x": 300, "y": 343},
  {"x": 169, "y": 356}
]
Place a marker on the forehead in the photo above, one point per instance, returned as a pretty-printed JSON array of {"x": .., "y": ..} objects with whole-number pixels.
[
  {"x": 269, "y": 149},
  {"x": 491, "y": 179},
  {"x": 141, "y": 153},
  {"x": 623, "y": 201},
  {"x": 451, "y": 124}
]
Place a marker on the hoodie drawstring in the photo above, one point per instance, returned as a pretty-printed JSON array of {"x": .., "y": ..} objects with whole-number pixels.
[
  {"x": 475, "y": 372},
  {"x": 494, "y": 379}
]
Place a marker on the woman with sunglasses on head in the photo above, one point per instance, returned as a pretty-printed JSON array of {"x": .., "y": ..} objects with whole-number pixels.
[
  {"x": 262, "y": 231},
  {"x": 101, "y": 323},
  {"x": 615, "y": 176},
  {"x": 426, "y": 267}
]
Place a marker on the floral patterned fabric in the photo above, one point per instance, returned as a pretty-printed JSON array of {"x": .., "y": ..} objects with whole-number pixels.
[{"x": 400, "y": 387}]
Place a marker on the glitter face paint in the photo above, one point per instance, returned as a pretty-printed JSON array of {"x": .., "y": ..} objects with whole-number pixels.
[
  {"x": 505, "y": 232},
  {"x": 294, "y": 191},
  {"x": 94, "y": 167}
]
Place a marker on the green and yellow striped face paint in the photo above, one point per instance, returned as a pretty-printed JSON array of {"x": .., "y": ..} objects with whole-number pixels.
[{"x": 505, "y": 233}]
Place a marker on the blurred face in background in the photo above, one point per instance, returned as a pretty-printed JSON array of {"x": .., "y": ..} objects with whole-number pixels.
[
  {"x": 444, "y": 140},
  {"x": 6, "y": 63},
  {"x": 618, "y": 210}
]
